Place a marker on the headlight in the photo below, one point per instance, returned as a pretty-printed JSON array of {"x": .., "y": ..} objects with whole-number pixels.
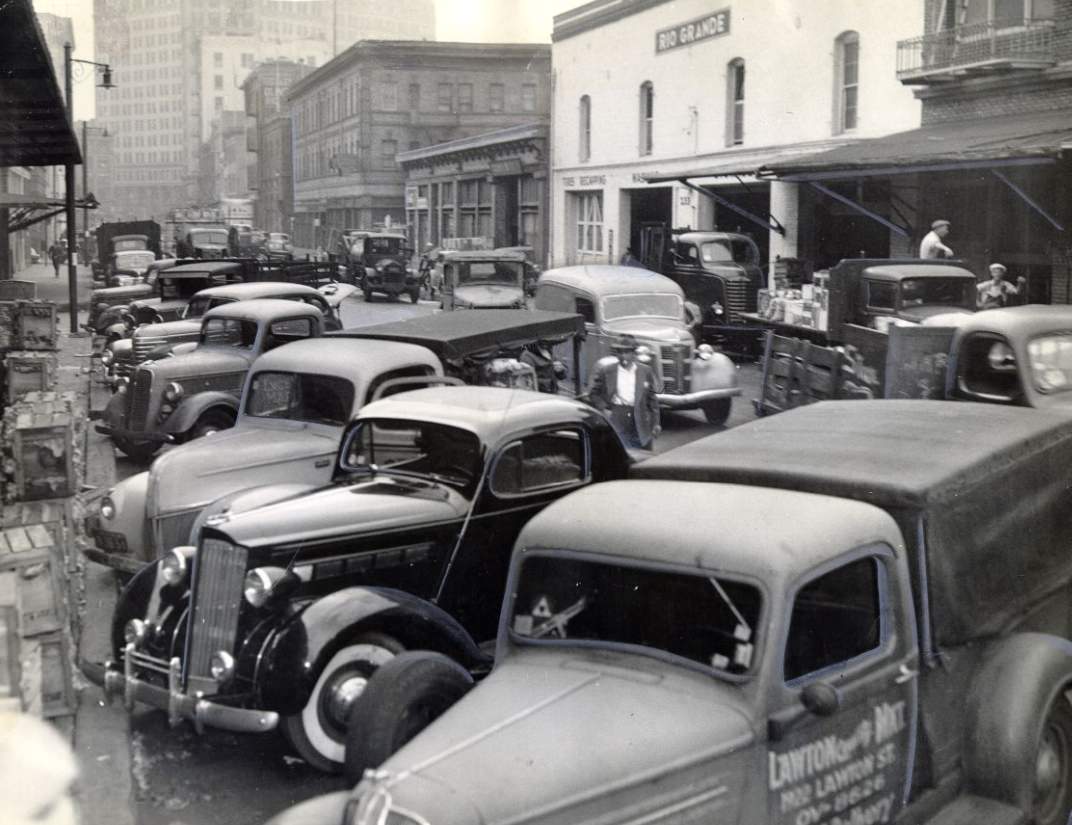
[
  {"x": 259, "y": 583},
  {"x": 716, "y": 308},
  {"x": 107, "y": 508},
  {"x": 222, "y": 666},
  {"x": 705, "y": 352},
  {"x": 107, "y": 357},
  {"x": 174, "y": 567},
  {"x": 121, "y": 384},
  {"x": 173, "y": 391},
  {"x": 135, "y": 632}
]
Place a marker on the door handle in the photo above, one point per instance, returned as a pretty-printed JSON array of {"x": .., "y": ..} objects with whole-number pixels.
[
  {"x": 322, "y": 462},
  {"x": 905, "y": 674}
]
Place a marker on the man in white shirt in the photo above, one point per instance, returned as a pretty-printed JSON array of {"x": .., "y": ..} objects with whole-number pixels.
[
  {"x": 994, "y": 293},
  {"x": 932, "y": 246},
  {"x": 626, "y": 390}
]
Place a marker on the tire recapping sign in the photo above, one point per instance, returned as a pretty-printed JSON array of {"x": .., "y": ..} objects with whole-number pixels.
[{"x": 715, "y": 24}]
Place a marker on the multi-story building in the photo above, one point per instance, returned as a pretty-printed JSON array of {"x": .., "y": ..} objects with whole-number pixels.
[
  {"x": 352, "y": 117},
  {"x": 158, "y": 110},
  {"x": 664, "y": 111}
]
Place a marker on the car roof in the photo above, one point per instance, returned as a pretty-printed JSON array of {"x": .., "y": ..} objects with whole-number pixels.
[
  {"x": 1027, "y": 321},
  {"x": 892, "y": 452},
  {"x": 483, "y": 255},
  {"x": 346, "y": 358},
  {"x": 262, "y": 309},
  {"x": 209, "y": 267},
  {"x": 610, "y": 279},
  {"x": 700, "y": 237},
  {"x": 258, "y": 289},
  {"x": 488, "y": 412},
  {"x": 717, "y": 527},
  {"x": 128, "y": 237},
  {"x": 398, "y": 235},
  {"x": 899, "y": 272}
]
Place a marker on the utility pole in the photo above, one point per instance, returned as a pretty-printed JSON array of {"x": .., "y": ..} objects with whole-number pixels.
[
  {"x": 72, "y": 272},
  {"x": 85, "y": 186}
]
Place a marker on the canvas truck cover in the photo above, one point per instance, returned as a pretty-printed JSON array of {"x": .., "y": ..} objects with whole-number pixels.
[{"x": 992, "y": 485}]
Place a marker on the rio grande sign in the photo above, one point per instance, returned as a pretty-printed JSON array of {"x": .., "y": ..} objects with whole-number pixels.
[{"x": 715, "y": 24}]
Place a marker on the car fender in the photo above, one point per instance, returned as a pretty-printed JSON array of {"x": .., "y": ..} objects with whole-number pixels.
[
  {"x": 302, "y": 647},
  {"x": 1022, "y": 676},
  {"x": 109, "y": 317},
  {"x": 191, "y": 408},
  {"x": 128, "y": 498},
  {"x": 716, "y": 373},
  {"x": 115, "y": 411}
]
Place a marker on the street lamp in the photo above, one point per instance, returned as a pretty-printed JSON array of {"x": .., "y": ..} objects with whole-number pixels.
[{"x": 72, "y": 272}]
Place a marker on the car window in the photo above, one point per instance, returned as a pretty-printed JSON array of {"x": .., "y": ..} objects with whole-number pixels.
[
  {"x": 416, "y": 447},
  {"x": 881, "y": 295},
  {"x": 836, "y": 618},
  {"x": 987, "y": 367},
  {"x": 659, "y": 305},
  {"x": 585, "y": 308},
  {"x": 229, "y": 332},
  {"x": 319, "y": 399},
  {"x": 538, "y": 462},
  {"x": 686, "y": 251},
  {"x": 1051, "y": 362},
  {"x": 287, "y": 330},
  {"x": 554, "y": 297}
]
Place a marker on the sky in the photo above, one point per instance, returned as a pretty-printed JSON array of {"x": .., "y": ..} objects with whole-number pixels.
[{"x": 457, "y": 20}]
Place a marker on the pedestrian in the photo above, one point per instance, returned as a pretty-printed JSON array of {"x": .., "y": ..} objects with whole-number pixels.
[
  {"x": 626, "y": 390},
  {"x": 994, "y": 293},
  {"x": 629, "y": 259},
  {"x": 57, "y": 254},
  {"x": 932, "y": 246}
]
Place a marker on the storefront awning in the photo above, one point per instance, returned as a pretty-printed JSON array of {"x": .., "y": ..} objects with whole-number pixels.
[
  {"x": 1015, "y": 140},
  {"x": 736, "y": 163}
]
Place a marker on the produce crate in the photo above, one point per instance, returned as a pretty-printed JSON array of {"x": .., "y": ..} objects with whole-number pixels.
[
  {"x": 28, "y": 325},
  {"x": 13, "y": 290},
  {"x": 27, "y": 371},
  {"x": 42, "y": 447},
  {"x": 797, "y": 372}
]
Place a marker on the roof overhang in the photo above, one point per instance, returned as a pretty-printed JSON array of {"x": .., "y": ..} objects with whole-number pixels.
[
  {"x": 737, "y": 163},
  {"x": 34, "y": 126}
]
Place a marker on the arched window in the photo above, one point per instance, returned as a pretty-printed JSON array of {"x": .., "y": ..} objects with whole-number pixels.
[
  {"x": 735, "y": 102},
  {"x": 585, "y": 121},
  {"x": 847, "y": 82},
  {"x": 647, "y": 116}
]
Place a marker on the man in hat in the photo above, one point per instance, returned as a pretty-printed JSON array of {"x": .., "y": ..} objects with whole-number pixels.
[
  {"x": 932, "y": 246},
  {"x": 994, "y": 293},
  {"x": 626, "y": 389}
]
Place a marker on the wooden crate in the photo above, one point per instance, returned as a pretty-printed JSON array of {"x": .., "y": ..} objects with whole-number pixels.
[
  {"x": 35, "y": 325},
  {"x": 797, "y": 372},
  {"x": 14, "y": 290},
  {"x": 27, "y": 371},
  {"x": 42, "y": 447}
]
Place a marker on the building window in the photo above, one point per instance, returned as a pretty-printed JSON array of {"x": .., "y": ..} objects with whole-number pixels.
[
  {"x": 589, "y": 221},
  {"x": 465, "y": 97},
  {"x": 1008, "y": 12},
  {"x": 414, "y": 97},
  {"x": 496, "y": 97},
  {"x": 388, "y": 150},
  {"x": 528, "y": 97},
  {"x": 217, "y": 59},
  {"x": 219, "y": 104},
  {"x": 445, "y": 97},
  {"x": 847, "y": 74},
  {"x": 647, "y": 116},
  {"x": 218, "y": 81},
  {"x": 735, "y": 103},
  {"x": 247, "y": 59},
  {"x": 585, "y": 121},
  {"x": 390, "y": 97}
]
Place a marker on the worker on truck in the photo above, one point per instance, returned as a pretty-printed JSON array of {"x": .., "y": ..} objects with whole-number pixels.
[
  {"x": 932, "y": 246},
  {"x": 994, "y": 293}
]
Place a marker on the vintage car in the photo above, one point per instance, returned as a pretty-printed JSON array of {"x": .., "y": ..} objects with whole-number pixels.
[
  {"x": 282, "y": 612},
  {"x": 296, "y": 402},
  {"x": 615, "y": 300},
  {"x": 376, "y": 262},
  {"x": 497, "y": 347},
  {"x": 482, "y": 280},
  {"x": 187, "y": 396},
  {"x": 108, "y": 303},
  {"x": 277, "y": 246},
  {"x": 156, "y": 340},
  {"x": 891, "y": 647},
  {"x": 205, "y": 242},
  {"x": 130, "y": 259},
  {"x": 532, "y": 269}
]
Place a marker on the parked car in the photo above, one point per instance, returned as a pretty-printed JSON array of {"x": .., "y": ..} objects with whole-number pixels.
[
  {"x": 296, "y": 402},
  {"x": 108, "y": 303},
  {"x": 616, "y": 300},
  {"x": 532, "y": 268},
  {"x": 278, "y": 247},
  {"x": 205, "y": 242},
  {"x": 407, "y": 548},
  {"x": 892, "y": 647},
  {"x": 194, "y": 394},
  {"x": 482, "y": 280},
  {"x": 377, "y": 263}
]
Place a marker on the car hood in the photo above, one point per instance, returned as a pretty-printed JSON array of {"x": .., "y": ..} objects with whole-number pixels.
[
  {"x": 488, "y": 295},
  {"x": 922, "y": 313},
  {"x": 381, "y": 503},
  {"x": 169, "y": 329},
  {"x": 201, "y": 362},
  {"x": 575, "y": 725},
  {"x": 113, "y": 294},
  {"x": 657, "y": 329},
  {"x": 336, "y": 293},
  {"x": 248, "y": 455},
  {"x": 732, "y": 271}
]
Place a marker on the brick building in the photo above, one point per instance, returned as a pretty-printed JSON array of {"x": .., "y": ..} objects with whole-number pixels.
[{"x": 352, "y": 117}]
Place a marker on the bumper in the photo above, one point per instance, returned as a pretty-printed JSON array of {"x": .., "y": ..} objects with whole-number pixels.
[
  {"x": 689, "y": 400},
  {"x": 391, "y": 287},
  {"x": 110, "y": 548},
  {"x": 124, "y": 564},
  {"x": 135, "y": 435},
  {"x": 178, "y": 705}
]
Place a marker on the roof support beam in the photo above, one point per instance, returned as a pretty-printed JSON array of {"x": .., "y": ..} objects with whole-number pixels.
[
  {"x": 884, "y": 171},
  {"x": 859, "y": 207},
  {"x": 770, "y": 223},
  {"x": 1027, "y": 199}
]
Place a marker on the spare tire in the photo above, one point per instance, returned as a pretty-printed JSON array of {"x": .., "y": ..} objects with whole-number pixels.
[{"x": 403, "y": 697}]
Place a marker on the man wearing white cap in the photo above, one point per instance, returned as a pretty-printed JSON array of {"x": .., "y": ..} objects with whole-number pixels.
[
  {"x": 932, "y": 246},
  {"x": 994, "y": 293}
]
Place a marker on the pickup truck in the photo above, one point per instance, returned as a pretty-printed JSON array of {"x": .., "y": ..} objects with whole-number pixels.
[{"x": 789, "y": 623}]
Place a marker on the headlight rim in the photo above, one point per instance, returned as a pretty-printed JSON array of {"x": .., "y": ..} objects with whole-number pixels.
[
  {"x": 109, "y": 502},
  {"x": 180, "y": 556}
]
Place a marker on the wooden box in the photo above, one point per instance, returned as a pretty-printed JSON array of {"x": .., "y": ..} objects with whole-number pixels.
[
  {"x": 26, "y": 371},
  {"x": 42, "y": 447},
  {"x": 35, "y": 325},
  {"x": 13, "y": 290}
]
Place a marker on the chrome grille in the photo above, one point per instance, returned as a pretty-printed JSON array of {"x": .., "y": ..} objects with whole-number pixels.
[
  {"x": 740, "y": 297},
  {"x": 674, "y": 363},
  {"x": 219, "y": 572},
  {"x": 144, "y": 344},
  {"x": 139, "y": 394},
  {"x": 172, "y": 531}
]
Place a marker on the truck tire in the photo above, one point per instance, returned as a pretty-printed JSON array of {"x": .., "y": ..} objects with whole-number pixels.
[
  {"x": 136, "y": 450},
  {"x": 403, "y": 697},
  {"x": 319, "y": 732},
  {"x": 716, "y": 412},
  {"x": 1052, "y": 796}
]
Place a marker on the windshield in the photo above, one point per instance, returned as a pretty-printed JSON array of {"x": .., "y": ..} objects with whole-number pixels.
[
  {"x": 176, "y": 288},
  {"x": 415, "y": 447},
  {"x": 637, "y": 305},
  {"x": 228, "y": 332},
  {"x": 219, "y": 238},
  {"x": 318, "y": 399},
  {"x": 1051, "y": 362},
  {"x": 129, "y": 244},
  {"x": 728, "y": 251},
  {"x": 488, "y": 272},
  {"x": 278, "y": 236},
  {"x": 942, "y": 291},
  {"x": 383, "y": 246},
  {"x": 200, "y": 304},
  {"x": 691, "y": 615}
]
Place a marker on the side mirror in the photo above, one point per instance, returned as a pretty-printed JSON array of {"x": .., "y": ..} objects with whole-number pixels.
[{"x": 820, "y": 699}]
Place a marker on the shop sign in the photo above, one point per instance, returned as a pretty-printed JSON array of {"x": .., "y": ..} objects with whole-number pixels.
[
  {"x": 506, "y": 166},
  {"x": 711, "y": 25},
  {"x": 584, "y": 180}
]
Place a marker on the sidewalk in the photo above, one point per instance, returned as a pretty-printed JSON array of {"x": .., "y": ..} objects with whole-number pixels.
[{"x": 51, "y": 288}]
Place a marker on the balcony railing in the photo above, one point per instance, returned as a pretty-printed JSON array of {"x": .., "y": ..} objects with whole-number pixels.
[{"x": 976, "y": 48}]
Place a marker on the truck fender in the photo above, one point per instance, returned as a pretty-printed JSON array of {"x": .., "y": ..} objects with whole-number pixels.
[
  {"x": 192, "y": 407},
  {"x": 716, "y": 373},
  {"x": 303, "y": 646},
  {"x": 1007, "y": 706}
]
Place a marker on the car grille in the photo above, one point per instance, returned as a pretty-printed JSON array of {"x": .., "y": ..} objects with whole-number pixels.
[
  {"x": 219, "y": 572},
  {"x": 139, "y": 395},
  {"x": 172, "y": 531},
  {"x": 123, "y": 366},
  {"x": 740, "y": 297},
  {"x": 144, "y": 344},
  {"x": 674, "y": 363}
]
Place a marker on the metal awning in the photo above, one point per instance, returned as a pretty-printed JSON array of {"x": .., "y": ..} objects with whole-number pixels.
[
  {"x": 34, "y": 130},
  {"x": 1013, "y": 140},
  {"x": 737, "y": 163}
]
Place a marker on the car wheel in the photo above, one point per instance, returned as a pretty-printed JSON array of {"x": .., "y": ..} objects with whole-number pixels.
[
  {"x": 403, "y": 698},
  {"x": 1052, "y": 793},
  {"x": 136, "y": 450},
  {"x": 210, "y": 422},
  {"x": 718, "y": 411},
  {"x": 368, "y": 294},
  {"x": 319, "y": 732},
  {"x": 414, "y": 295}
]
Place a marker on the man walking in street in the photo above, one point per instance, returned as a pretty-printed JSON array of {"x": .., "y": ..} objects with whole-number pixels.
[
  {"x": 58, "y": 255},
  {"x": 932, "y": 246},
  {"x": 625, "y": 389},
  {"x": 994, "y": 293}
]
